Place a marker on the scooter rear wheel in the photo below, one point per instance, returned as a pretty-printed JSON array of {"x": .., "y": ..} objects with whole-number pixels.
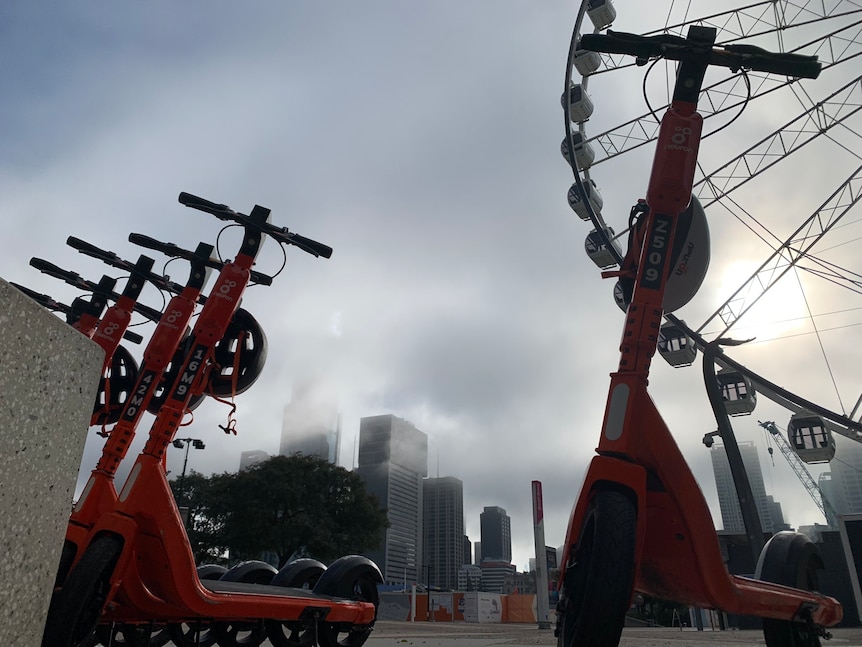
[
  {"x": 77, "y": 607},
  {"x": 598, "y": 585},
  {"x": 244, "y": 633},
  {"x": 301, "y": 574},
  {"x": 793, "y": 560},
  {"x": 337, "y": 635}
]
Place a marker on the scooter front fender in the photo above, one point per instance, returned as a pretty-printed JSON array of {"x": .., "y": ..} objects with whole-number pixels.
[{"x": 609, "y": 473}]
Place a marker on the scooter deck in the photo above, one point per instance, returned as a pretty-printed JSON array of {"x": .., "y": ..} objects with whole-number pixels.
[{"x": 218, "y": 586}]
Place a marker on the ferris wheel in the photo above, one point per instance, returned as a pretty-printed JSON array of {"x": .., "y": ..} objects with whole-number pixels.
[{"x": 779, "y": 187}]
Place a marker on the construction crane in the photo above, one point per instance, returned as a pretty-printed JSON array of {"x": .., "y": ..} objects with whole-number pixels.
[{"x": 802, "y": 473}]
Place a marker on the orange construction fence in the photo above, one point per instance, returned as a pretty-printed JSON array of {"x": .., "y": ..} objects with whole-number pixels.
[{"x": 461, "y": 607}]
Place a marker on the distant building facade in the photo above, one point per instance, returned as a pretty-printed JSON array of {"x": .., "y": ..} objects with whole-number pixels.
[
  {"x": 469, "y": 578},
  {"x": 249, "y": 458},
  {"x": 312, "y": 423},
  {"x": 731, "y": 514},
  {"x": 519, "y": 583},
  {"x": 496, "y": 529},
  {"x": 842, "y": 485},
  {"x": 393, "y": 460},
  {"x": 494, "y": 575},
  {"x": 443, "y": 538}
]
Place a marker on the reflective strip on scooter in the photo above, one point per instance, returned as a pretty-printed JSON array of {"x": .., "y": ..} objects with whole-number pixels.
[{"x": 617, "y": 412}]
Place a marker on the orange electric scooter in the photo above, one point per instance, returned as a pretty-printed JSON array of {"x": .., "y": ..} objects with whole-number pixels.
[
  {"x": 641, "y": 522},
  {"x": 99, "y": 494},
  {"x": 74, "y": 312},
  {"x": 119, "y": 369},
  {"x": 135, "y": 565}
]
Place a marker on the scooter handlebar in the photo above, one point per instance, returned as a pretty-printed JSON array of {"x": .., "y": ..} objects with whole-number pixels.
[
  {"x": 51, "y": 304},
  {"x": 175, "y": 251},
  {"x": 74, "y": 279},
  {"x": 281, "y": 234},
  {"x": 678, "y": 48}
]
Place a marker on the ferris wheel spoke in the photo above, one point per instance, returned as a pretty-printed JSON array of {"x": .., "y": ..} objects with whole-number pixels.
[
  {"x": 835, "y": 109},
  {"x": 718, "y": 98},
  {"x": 790, "y": 253}
]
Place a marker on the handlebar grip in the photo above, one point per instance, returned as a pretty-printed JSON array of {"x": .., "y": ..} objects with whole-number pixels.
[
  {"x": 133, "y": 337},
  {"x": 49, "y": 268},
  {"x": 196, "y": 202},
  {"x": 761, "y": 60},
  {"x": 310, "y": 246},
  {"x": 150, "y": 313},
  {"x": 42, "y": 299},
  {"x": 619, "y": 42},
  {"x": 152, "y": 243},
  {"x": 87, "y": 248}
]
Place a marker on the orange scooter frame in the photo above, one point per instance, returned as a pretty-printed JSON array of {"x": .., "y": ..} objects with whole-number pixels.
[
  {"x": 654, "y": 512},
  {"x": 99, "y": 495},
  {"x": 138, "y": 566}
]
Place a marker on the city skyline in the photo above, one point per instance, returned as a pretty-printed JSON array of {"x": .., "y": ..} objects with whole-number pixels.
[{"x": 769, "y": 506}]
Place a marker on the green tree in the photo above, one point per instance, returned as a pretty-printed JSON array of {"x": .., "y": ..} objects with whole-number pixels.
[
  {"x": 194, "y": 493},
  {"x": 287, "y": 504}
]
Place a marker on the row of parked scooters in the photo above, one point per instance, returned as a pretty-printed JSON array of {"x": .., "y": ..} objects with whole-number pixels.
[{"x": 127, "y": 574}]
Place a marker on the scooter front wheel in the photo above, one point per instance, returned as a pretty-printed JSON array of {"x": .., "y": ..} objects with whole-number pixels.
[
  {"x": 597, "y": 588},
  {"x": 77, "y": 607}
]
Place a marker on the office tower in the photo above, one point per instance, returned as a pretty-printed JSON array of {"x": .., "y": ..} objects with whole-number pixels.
[
  {"x": 443, "y": 535},
  {"x": 393, "y": 460},
  {"x": 496, "y": 530},
  {"x": 249, "y": 458},
  {"x": 477, "y": 553},
  {"x": 842, "y": 485},
  {"x": 312, "y": 423},
  {"x": 777, "y": 514},
  {"x": 731, "y": 515},
  {"x": 468, "y": 550}
]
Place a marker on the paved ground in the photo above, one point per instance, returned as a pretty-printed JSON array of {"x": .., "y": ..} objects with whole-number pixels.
[{"x": 425, "y": 634}]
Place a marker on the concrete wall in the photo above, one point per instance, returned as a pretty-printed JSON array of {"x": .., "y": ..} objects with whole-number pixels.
[{"x": 49, "y": 374}]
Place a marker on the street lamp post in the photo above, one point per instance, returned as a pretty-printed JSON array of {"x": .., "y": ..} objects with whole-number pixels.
[{"x": 188, "y": 443}]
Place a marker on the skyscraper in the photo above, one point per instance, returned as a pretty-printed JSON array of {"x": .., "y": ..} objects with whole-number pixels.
[
  {"x": 249, "y": 458},
  {"x": 443, "y": 536},
  {"x": 312, "y": 423},
  {"x": 496, "y": 529},
  {"x": 731, "y": 514},
  {"x": 842, "y": 485},
  {"x": 393, "y": 460}
]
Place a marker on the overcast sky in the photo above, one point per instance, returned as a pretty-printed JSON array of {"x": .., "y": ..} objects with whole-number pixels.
[{"x": 420, "y": 141}]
